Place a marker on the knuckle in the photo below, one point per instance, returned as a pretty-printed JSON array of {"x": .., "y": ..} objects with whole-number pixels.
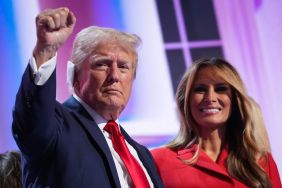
[
  {"x": 49, "y": 18},
  {"x": 57, "y": 15}
]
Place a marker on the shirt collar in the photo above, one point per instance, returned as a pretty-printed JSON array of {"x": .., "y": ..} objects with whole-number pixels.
[{"x": 101, "y": 122}]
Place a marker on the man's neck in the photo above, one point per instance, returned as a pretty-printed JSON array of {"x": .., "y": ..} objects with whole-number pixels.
[{"x": 98, "y": 114}]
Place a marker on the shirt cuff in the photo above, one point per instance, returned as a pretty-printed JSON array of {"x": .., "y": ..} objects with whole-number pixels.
[{"x": 41, "y": 75}]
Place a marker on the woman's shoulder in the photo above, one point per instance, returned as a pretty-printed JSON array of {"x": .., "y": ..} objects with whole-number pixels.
[
  {"x": 164, "y": 157},
  {"x": 162, "y": 152},
  {"x": 268, "y": 164},
  {"x": 266, "y": 161},
  {"x": 271, "y": 169}
]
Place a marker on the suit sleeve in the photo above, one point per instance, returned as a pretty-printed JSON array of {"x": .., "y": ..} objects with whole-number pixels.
[{"x": 35, "y": 125}]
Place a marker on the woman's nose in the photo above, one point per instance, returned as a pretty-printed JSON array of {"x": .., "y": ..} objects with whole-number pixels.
[{"x": 210, "y": 96}]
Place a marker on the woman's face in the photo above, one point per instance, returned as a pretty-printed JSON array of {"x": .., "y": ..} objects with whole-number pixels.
[{"x": 210, "y": 100}]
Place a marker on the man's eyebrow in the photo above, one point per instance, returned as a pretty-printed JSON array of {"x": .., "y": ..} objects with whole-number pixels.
[
  {"x": 124, "y": 60},
  {"x": 100, "y": 57}
]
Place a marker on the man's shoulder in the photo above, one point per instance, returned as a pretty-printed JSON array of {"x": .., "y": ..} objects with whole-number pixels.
[{"x": 70, "y": 102}]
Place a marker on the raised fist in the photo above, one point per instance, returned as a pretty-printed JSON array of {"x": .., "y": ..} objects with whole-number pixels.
[{"x": 53, "y": 27}]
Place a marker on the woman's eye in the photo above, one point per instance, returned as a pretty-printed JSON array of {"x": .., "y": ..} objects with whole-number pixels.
[
  {"x": 221, "y": 88},
  {"x": 200, "y": 89}
]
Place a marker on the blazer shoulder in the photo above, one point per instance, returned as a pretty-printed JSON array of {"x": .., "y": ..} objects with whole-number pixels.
[
  {"x": 162, "y": 150},
  {"x": 162, "y": 153},
  {"x": 273, "y": 172}
]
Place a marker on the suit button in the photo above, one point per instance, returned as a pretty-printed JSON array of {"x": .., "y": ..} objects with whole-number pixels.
[{"x": 28, "y": 103}]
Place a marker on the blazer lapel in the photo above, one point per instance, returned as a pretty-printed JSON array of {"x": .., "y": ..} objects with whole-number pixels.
[
  {"x": 204, "y": 161},
  {"x": 91, "y": 127}
]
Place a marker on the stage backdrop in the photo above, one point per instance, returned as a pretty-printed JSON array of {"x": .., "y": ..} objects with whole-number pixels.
[{"x": 174, "y": 33}]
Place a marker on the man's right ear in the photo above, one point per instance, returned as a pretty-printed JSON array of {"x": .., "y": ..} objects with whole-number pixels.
[{"x": 76, "y": 85}]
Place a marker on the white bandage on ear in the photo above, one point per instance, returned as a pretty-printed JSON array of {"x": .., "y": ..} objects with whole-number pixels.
[{"x": 70, "y": 75}]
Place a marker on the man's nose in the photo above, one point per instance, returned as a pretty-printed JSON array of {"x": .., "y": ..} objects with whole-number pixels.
[{"x": 114, "y": 74}]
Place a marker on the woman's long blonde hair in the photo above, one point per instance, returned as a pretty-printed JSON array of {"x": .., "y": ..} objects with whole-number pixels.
[{"x": 245, "y": 130}]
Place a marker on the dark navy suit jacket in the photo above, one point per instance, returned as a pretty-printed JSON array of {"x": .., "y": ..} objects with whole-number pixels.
[{"x": 62, "y": 145}]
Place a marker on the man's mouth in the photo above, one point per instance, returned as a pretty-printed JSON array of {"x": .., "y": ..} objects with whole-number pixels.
[{"x": 112, "y": 91}]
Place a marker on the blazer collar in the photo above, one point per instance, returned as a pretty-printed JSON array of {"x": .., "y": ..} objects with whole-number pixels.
[
  {"x": 204, "y": 161},
  {"x": 91, "y": 127}
]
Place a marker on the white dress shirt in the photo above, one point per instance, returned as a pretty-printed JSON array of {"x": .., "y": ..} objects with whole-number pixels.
[{"x": 42, "y": 74}]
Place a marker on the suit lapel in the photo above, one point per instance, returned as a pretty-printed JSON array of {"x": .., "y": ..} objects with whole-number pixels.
[
  {"x": 143, "y": 155},
  {"x": 91, "y": 127}
]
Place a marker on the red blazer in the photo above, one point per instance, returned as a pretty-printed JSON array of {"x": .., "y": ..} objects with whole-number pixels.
[{"x": 205, "y": 173}]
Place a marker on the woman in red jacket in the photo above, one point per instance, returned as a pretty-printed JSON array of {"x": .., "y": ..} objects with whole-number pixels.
[{"x": 222, "y": 141}]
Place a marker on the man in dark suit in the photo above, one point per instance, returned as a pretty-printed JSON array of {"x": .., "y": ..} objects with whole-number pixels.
[{"x": 80, "y": 143}]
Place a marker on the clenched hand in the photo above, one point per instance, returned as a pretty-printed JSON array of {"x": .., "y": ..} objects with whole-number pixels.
[{"x": 53, "y": 27}]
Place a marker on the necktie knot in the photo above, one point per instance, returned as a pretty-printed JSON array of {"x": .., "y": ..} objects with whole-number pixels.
[{"x": 112, "y": 128}]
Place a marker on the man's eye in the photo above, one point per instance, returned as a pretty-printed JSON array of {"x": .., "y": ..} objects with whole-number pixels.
[
  {"x": 100, "y": 64},
  {"x": 124, "y": 66}
]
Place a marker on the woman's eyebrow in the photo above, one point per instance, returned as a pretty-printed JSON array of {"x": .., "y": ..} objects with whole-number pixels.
[{"x": 222, "y": 84}]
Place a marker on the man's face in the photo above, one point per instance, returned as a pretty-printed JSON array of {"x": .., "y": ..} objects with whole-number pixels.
[{"x": 105, "y": 80}]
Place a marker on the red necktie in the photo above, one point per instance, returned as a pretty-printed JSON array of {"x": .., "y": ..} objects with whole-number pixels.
[{"x": 133, "y": 167}]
